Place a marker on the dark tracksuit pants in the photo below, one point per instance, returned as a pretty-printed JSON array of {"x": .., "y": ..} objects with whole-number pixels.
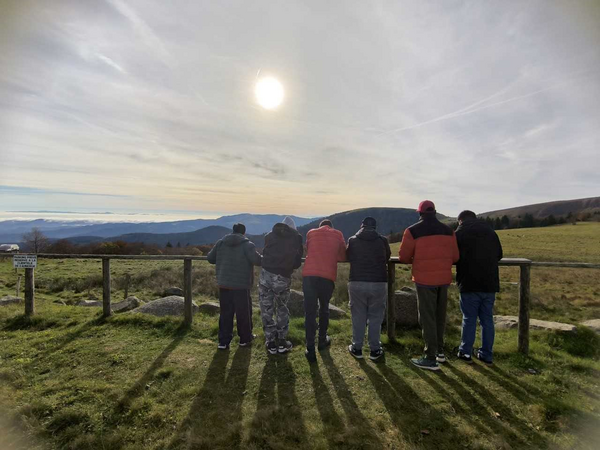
[
  {"x": 239, "y": 303},
  {"x": 317, "y": 293},
  {"x": 432, "y": 302}
]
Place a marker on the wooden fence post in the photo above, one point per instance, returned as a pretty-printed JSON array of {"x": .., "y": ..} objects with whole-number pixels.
[
  {"x": 391, "y": 302},
  {"x": 187, "y": 291},
  {"x": 106, "y": 311},
  {"x": 29, "y": 292},
  {"x": 524, "y": 299}
]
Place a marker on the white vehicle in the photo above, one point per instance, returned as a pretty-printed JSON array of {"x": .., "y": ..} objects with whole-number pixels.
[{"x": 9, "y": 248}]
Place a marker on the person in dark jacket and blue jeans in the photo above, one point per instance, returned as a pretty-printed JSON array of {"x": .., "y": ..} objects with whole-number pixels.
[
  {"x": 235, "y": 256},
  {"x": 368, "y": 253},
  {"x": 478, "y": 281}
]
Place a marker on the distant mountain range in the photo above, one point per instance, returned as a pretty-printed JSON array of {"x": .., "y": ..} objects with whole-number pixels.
[
  {"x": 557, "y": 209},
  {"x": 388, "y": 220},
  {"x": 11, "y": 231}
]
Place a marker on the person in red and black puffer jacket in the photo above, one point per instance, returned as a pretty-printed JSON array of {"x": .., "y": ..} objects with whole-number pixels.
[{"x": 431, "y": 248}]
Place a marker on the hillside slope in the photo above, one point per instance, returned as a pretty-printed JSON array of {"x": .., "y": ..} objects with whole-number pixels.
[
  {"x": 388, "y": 220},
  {"x": 208, "y": 235},
  {"x": 542, "y": 210}
]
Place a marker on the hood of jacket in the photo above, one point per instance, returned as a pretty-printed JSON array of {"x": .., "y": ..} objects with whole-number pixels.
[
  {"x": 234, "y": 239},
  {"x": 367, "y": 234},
  {"x": 284, "y": 231}
]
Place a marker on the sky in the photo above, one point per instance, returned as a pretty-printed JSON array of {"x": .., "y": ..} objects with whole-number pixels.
[{"x": 148, "y": 107}]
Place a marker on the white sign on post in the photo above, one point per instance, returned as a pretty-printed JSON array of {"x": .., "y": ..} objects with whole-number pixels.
[{"x": 24, "y": 261}]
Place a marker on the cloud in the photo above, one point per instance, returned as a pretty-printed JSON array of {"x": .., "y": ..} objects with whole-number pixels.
[{"x": 478, "y": 104}]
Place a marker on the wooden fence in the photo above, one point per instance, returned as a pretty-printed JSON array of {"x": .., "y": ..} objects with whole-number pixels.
[{"x": 524, "y": 286}]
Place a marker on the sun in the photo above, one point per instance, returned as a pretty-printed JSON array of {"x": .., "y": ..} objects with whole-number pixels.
[{"x": 269, "y": 92}]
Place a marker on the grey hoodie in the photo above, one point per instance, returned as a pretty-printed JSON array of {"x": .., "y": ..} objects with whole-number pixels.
[{"x": 235, "y": 255}]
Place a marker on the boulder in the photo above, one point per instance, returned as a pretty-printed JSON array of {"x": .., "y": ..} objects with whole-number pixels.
[
  {"x": 296, "y": 306},
  {"x": 166, "y": 306},
  {"x": 594, "y": 324},
  {"x": 173, "y": 291},
  {"x": 128, "y": 304},
  {"x": 209, "y": 308},
  {"x": 10, "y": 300},
  {"x": 407, "y": 314},
  {"x": 88, "y": 303},
  {"x": 507, "y": 322}
]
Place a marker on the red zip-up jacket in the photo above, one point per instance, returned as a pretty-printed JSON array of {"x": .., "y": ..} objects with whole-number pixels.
[
  {"x": 431, "y": 248},
  {"x": 325, "y": 246}
]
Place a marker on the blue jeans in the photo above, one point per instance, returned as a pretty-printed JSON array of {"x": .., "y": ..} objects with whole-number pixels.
[{"x": 474, "y": 305}]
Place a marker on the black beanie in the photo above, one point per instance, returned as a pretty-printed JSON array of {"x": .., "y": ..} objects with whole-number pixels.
[
  {"x": 239, "y": 228},
  {"x": 369, "y": 222}
]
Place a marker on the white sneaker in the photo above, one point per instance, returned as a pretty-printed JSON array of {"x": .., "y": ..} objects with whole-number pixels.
[{"x": 441, "y": 358}]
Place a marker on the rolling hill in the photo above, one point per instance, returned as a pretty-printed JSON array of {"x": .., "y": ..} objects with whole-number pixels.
[
  {"x": 558, "y": 209},
  {"x": 208, "y": 235},
  {"x": 388, "y": 220}
]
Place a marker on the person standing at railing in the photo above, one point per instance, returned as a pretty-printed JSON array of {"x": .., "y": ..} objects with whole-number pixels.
[
  {"x": 235, "y": 256},
  {"x": 478, "y": 281},
  {"x": 368, "y": 253},
  {"x": 431, "y": 248},
  {"x": 281, "y": 255},
  {"x": 325, "y": 247}
]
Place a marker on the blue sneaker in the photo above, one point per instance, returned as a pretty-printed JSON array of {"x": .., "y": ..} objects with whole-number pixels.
[{"x": 426, "y": 364}]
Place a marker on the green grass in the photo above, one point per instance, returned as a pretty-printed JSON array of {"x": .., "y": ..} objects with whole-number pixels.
[
  {"x": 71, "y": 380},
  {"x": 74, "y": 381}
]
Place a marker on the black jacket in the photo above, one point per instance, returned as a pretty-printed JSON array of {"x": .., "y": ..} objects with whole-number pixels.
[
  {"x": 480, "y": 251},
  {"x": 283, "y": 250},
  {"x": 368, "y": 253}
]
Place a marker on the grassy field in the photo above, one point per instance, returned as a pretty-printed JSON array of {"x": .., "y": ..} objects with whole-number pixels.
[{"x": 71, "y": 380}]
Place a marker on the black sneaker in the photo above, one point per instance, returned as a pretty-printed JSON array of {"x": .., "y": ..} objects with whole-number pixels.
[
  {"x": 311, "y": 355},
  {"x": 440, "y": 357},
  {"x": 284, "y": 346},
  {"x": 249, "y": 343},
  {"x": 354, "y": 352},
  {"x": 376, "y": 354},
  {"x": 426, "y": 364},
  {"x": 272, "y": 347},
  {"x": 464, "y": 357},
  {"x": 223, "y": 347},
  {"x": 485, "y": 361},
  {"x": 323, "y": 344}
]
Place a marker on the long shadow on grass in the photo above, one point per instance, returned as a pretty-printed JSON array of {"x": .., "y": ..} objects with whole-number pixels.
[
  {"x": 478, "y": 415},
  {"x": 505, "y": 412},
  {"x": 409, "y": 413},
  {"x": 278, "y": 421},
  {"x": 359, "y": 432},
  {"x": 215, "y": 417},
  {"x": 332, "y": 422},
  {"x": 140, "y": 385}
]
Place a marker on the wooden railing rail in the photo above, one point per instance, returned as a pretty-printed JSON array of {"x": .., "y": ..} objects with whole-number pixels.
[{"x": 524, "y": 285}]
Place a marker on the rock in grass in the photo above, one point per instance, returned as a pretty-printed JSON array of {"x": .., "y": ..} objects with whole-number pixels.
[
  {"x": 296, "y": 306},
  {"x": 88, "y": 303},
  {"x": 594, "y": 324},
  {"x": 210, "y": 308},
  {"x": 128, "y": 304},
  {"x": 10, "y": 300},
  {"x": 167, "y": 306},
  {"x": 173, "y": 291},
  {"x": 407, "y": 314},
  {"x": 507, "y": 322}
]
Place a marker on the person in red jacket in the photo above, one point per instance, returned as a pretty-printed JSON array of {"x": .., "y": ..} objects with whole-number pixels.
[
  {"x": 325, "y": 246},
  {"x": 431, "y": 248}
]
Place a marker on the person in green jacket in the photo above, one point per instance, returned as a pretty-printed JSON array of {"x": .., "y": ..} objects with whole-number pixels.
[{"x": 235, "y": 256}]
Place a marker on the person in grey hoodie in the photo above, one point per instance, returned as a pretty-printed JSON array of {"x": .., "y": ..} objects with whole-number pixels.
[
  {"x": 235, "y": 256},
  {"x": 281, "y": 255}
]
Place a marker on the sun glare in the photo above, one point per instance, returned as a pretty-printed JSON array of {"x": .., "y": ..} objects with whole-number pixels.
[{"x": 269, "y": 93}]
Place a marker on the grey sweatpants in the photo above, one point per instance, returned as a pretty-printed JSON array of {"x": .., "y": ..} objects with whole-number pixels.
[
  {"x": 367, "y": 304},
  {"x": 432, "y": 302}
]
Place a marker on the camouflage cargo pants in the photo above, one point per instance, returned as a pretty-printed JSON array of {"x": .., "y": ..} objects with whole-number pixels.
[{"x": 273, "y": 296}]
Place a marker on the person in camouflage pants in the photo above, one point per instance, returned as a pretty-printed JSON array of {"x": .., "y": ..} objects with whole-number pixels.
[
  {"x": 281, "y": 255},
  {"x": 274, "y": 293}
]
